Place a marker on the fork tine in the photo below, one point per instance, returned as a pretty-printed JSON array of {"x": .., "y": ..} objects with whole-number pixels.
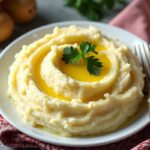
[
  {"x": 141, "y": 50},
  {"x": 145, "y": 54},
  {"x": 134, "y": 50},
  {"x": 137, "y": 52},
  {"x": 147, "y": 51}
]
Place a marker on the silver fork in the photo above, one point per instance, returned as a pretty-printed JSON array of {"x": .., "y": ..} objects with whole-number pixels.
[{"x": 142, "y": 51}]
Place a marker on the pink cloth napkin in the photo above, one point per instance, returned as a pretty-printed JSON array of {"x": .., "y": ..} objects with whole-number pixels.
[
  {"x": 11, "y": 137},
  {"x": 134, "y": 18}
]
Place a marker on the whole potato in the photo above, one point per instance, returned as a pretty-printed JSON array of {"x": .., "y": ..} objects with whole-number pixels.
[
  {"x": 21, "y": 10},
  {"x": 6, "y": 26}
]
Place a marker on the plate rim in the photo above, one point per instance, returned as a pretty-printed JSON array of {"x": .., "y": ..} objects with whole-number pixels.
[{"x": 65, "y": 23}]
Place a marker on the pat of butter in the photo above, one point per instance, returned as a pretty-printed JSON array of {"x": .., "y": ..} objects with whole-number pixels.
[
  {"x": 76, "y": 71},
  {"x": 79, "y": 71}
]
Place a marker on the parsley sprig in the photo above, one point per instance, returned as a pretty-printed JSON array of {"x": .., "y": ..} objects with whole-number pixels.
[{"x": 73, "y": 55}]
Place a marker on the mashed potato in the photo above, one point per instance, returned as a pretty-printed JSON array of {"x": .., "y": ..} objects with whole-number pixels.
[{"x": 64, "y": 98}]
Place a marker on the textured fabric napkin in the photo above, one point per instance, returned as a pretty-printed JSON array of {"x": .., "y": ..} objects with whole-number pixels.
[
  {"x": 10, "y": 136},
  {"x": 134, "y": 18}
]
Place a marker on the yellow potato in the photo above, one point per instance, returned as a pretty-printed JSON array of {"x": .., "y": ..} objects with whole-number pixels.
[
  {"x": 6, "y": 26},
  {"x": 21, "y": 10}
]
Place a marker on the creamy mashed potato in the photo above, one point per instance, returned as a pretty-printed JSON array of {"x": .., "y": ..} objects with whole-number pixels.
[{"x": 64, "y": 98}]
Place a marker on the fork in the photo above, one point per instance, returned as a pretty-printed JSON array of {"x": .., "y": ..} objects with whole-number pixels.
[{"x": 142, "y": 51}]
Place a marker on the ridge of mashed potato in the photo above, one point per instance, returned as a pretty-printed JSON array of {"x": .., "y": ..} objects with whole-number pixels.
[{"x": 63, "y": 98}]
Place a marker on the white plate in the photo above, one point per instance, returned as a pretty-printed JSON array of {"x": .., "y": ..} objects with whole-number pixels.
[{"x": 9, "y": 113}]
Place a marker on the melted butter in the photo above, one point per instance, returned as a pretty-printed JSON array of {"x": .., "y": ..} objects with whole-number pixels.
[
  {"x": 41, "y": 83},
  {"x": 76, "y": 71},
  {"x": 100, "y": 48},
  {"x": 79, "y": 71}
]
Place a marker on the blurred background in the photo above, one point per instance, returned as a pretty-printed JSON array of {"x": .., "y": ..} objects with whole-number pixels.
[{"x": 20, "y": 16}]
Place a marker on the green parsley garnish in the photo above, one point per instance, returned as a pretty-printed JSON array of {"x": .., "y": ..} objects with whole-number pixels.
[{"x": 73, "y": 55}]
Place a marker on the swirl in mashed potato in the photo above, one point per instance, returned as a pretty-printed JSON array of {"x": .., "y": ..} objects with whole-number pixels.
[{"x": 64, "y": 98}]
